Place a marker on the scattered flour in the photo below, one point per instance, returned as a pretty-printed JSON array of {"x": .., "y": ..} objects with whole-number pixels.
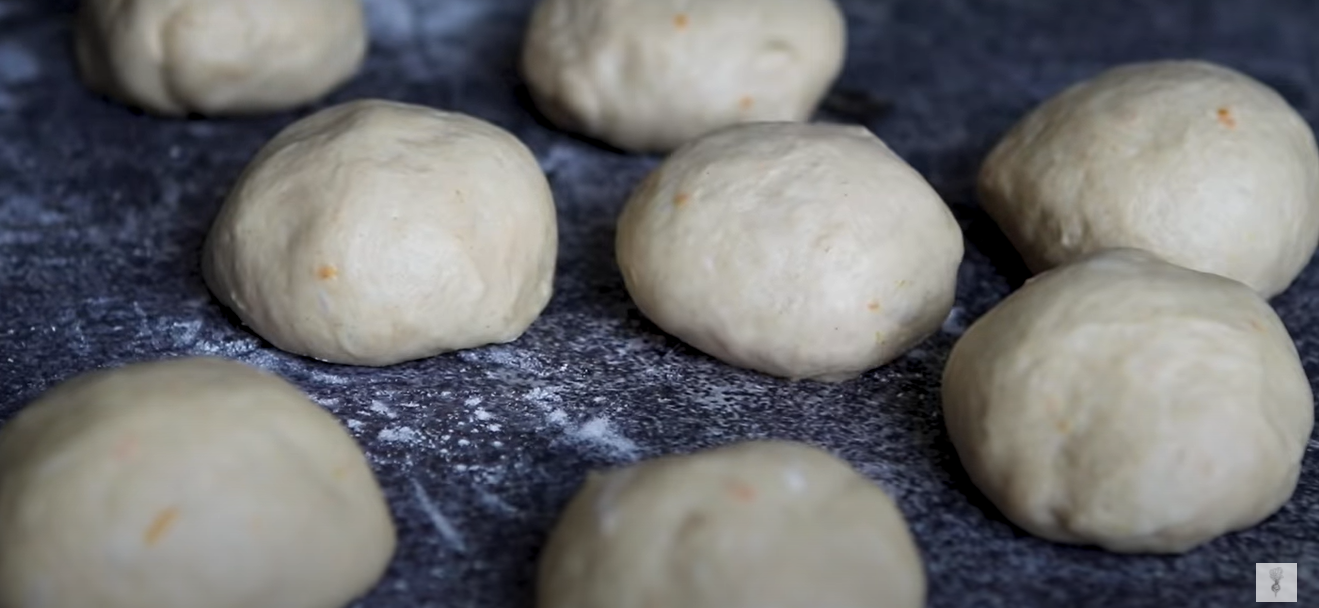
[
  {"x": 384, "y": 410},
  {"x": 447, "y": 532},
  {"x": 597, "y": 432},
  {"x": 400, "y": 434},
  {"x": 600, "y": 432},
  {"x": 483, "y": 415},
  {"x": 327, "y": 378}
]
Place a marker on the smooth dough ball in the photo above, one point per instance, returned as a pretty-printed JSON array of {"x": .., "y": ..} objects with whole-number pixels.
[
  {"x": 799, "y": 250},
  {"x": 648, "y": 75},
  {"x": 376, "y": 232},
  {"x": 1125, "y": 402},
  {"x": 749, "y": 525},
  {"x": 187, "y": 482},
  {"x": 1197, "y": 163},
  {"x": 211, "y": 57}
]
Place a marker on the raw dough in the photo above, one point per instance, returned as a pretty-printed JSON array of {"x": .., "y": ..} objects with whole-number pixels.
[
  {"x": 744, "y": 526},
  {"x": 648, "y": 75},
  {"x": 186, "y": 482},
  {"x": 377, "y": 232},
  {"x": 1129, "y": 403},
  {"x": 219, "y": 56},
  {"x": 799, "y": 250},
  {"x": 1197, "y": 163}
]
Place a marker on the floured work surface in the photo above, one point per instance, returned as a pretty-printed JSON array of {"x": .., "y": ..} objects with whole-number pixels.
[{"x": 102, "y": 214}]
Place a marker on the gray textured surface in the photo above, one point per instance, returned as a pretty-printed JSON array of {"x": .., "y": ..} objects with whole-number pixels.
[{"x": 102, "y": 212}]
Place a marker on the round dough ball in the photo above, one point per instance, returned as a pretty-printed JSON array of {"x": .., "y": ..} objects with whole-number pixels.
[
  {"x": 648, "y": 75},
  {"x": 186, "y": 482},
  {"x": 1197, "y": 163},
  {"x": 175, "y": 57},
  {"x": 1129, "y": 403},
  {"x": 376, "y": 232},
  {"x": 799, "y": 250},
  {"x": 744, "y": 526}
]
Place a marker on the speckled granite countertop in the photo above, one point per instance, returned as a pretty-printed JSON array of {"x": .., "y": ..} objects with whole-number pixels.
[{"x": 102, "y": 213}]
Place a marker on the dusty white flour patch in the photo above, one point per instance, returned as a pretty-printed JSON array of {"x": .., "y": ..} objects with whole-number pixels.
[
  {"x": 381, "y": 408},
  {"x": 327, "y": 378},
  {"x": 481, "y": 414},
  {"x": 400, "y": 434},
  {"x": 505, "y": 356},
  {"x": 600, "y": 432},
  {"x": 596, "y": 431}
]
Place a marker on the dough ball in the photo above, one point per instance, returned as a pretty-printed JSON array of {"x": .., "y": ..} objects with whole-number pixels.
[
  {"x": 1197, "y": 163},
  {"x": 648, "y": 75},
  {"x": 176, "y": 57},
  {"x": 376, "y": 232},
  {"x": 744, "y": 526},
  {"x": 1125, "y": 402},
  {"x": 187, "y": 482},
  {"x": 799, "y": 250}
]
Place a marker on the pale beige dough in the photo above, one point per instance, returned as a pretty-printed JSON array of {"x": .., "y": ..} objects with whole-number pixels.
[
  {"x": 798, "y": 250},
  {"x": 377, "y": 232},
  {"x": 749, "y": 525},
  {"x": 185, "y": 482},
  {"x": 648, "y": 75},
  {"x": 213, "y": 57},
  {"x": 1200, "y": 164},
  {"x": 1129, "y": 403}
]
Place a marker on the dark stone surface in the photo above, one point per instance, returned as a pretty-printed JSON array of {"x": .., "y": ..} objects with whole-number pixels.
[{"x": 102, "y": 212}]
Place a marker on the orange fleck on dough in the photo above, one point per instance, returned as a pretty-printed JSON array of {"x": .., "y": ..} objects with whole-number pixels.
[
  {"x": 327, "y": 272},
  {"x": 681, "y": 21},
  {"x": 874, "y": 306},
  {"x": 746, "y": 102},
  {"x": 160, "y": 526},
  {"x": 1225, "y": 117},
  {"x": 742, "y": 492},
  {"x": 1063, "y": 426},
  {"x": 681, "y": 199}
]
